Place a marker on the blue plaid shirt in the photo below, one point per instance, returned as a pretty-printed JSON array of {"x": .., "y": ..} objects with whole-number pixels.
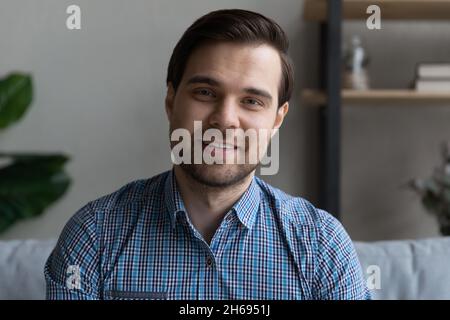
[{"x": 139, "y": 243}]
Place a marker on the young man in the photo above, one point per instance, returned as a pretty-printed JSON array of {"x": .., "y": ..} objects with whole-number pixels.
[{"x": 211, "y": 230}]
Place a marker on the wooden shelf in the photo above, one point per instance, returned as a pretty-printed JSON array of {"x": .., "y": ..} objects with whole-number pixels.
[
  {"x": 316, "y": 10},
  {"x": 316, "y": 97}
]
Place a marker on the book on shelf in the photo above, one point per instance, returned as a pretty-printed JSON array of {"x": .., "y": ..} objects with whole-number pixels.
[
  {"x": 433, "y": 85},
  {"x": 432, "y": 76},
  {"x": 433, "y": 70}
]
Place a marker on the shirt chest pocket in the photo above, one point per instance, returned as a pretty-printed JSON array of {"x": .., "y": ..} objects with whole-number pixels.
[{"x": 135, "y": 295}]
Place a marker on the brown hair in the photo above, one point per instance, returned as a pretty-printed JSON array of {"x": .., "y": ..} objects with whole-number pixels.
[{"x": 233, "y": 25}]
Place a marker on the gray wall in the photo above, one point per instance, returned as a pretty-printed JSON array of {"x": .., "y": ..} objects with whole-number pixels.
[
  {"x": 100, "y": 96},
  {"x": 386, "y": 145}
]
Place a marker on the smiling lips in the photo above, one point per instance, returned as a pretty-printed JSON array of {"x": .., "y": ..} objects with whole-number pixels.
[
  {"x": 224, "y": 148},
  {"x": 218, "y": 145}
]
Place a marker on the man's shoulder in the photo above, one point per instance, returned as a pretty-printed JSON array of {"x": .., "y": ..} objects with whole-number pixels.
[
  {"x": 116, "y": 212},
  {"x": 298, "y": 211},
  {"x": 134, "y": 191}
]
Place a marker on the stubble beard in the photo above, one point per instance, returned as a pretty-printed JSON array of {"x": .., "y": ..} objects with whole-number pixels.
[{"x": 218, "y": 175}]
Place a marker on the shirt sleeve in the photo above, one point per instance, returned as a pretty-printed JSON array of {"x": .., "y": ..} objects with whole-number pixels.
[
  {"x": 72, "y": 270},
  {"x": 338, "y": 275}
]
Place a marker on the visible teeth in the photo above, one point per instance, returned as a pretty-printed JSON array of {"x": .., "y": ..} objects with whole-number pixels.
[{"x": 221, "y": 145}]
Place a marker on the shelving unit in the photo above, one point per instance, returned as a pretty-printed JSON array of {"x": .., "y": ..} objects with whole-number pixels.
[
  {"x": 316, "y": 10},
  {"x": 329, "y": 97},
  {"x": 402, "y": 97}
]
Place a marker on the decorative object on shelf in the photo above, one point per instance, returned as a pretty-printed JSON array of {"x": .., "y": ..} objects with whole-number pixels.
[
  {"x": 432, "y": 77},
  {"x": 435, "y": 191},
  {"x": 412, "y": 10},
  {"x": 29, "y": 182},
  {"x": 355, "y": 75}
]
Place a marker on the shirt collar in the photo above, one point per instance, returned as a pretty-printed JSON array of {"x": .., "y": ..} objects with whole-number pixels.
[
  {"x": 246, "y": 208},
  {"x": 173, "y": 200}
]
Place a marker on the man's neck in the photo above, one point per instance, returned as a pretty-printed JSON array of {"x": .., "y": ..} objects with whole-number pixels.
[{"x": 205, "y": 205}]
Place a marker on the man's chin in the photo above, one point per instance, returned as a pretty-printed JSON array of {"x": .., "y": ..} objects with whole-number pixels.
[{"x": 218, "y": 175}]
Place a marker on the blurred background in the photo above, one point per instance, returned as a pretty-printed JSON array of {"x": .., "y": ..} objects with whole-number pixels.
[{"x": 99, "y": 98}]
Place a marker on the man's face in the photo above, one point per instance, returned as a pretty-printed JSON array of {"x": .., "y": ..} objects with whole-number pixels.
[{"x": 227, "y": 86}]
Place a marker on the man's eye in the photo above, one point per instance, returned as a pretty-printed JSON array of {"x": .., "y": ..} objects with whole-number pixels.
[
  {"x": 204, "y": 92},
  {"x": 252, "y": 102}
]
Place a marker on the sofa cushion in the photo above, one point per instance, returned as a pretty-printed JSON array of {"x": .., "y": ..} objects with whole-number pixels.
[
  {"x": 414, "y": 269},
  {"x": 22, "y": 268}
]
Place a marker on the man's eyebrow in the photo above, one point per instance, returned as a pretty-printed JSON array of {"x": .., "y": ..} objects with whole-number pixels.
[
  {"x": 259, "y": 92},
  {"x": 203, "y": 79}
]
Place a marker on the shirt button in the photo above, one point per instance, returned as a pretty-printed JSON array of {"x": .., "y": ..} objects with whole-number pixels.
[{"x": 209, "y": 261}]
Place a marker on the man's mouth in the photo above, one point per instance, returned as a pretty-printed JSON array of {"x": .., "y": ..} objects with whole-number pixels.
[
  {"x": 215, "y": 148},
  {"x": 218, "y": 145}
]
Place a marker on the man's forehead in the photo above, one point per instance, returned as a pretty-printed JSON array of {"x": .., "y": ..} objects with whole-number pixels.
[{"x": 237, "y": 63}]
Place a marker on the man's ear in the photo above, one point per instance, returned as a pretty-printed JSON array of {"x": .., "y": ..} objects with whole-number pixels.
[
  {"x": 281, "y": 113},
  {"x": 170, "y": 97}
]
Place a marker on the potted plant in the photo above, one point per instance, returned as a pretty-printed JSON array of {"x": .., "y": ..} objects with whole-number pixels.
[
  {"x": 435, "y": 191},
  {"x": 29, "y": 182}
]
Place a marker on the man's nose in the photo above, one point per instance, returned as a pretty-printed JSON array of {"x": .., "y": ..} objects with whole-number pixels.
[{"x": 225, "y": 115}]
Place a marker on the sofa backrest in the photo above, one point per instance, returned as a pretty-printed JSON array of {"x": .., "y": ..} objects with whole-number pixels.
[
  {"x": 22, "y": 268},
  {"x": 414, "y": 269},
  {"x": 407, "y": 269}
]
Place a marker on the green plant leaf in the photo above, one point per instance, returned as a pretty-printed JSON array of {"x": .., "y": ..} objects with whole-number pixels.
[
  {"x": 446, "y": 195},
  {"x": 445, "y": 180},
  {"x": 16, "y": 94},
  {"x": 431, "y": 203},
  {"x": 432, "y": 186},
  {"x": 29, "y": 184}
]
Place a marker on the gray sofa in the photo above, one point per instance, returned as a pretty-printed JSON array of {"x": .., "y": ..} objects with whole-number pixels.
[{"x": 415, "y": 269}]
